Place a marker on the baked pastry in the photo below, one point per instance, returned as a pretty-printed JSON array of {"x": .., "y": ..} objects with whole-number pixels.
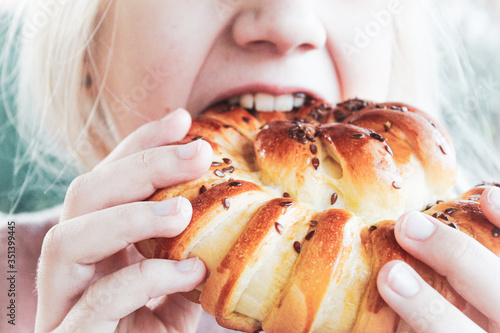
[{"x": 286, "y": 220}]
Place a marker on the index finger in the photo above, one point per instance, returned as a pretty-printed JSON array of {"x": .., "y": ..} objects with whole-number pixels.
[
  {"x": 171, "y": 128},
  {"x": 136, "y": 177}
]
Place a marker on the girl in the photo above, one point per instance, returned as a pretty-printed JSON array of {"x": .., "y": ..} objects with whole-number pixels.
[{"x": 116, "y": 80}]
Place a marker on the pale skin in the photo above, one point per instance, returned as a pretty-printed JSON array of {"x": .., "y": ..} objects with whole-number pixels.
[{"x": 276, "y": 47}]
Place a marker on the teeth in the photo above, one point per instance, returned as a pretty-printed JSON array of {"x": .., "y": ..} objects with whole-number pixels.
[
  {"x": 298, "y": 100},
  {"x": 268, "y": 103},
  {"x": 264, "y": 102},
  {"x": 283, "y": 103},
  {"x": 246, "y": 101}
]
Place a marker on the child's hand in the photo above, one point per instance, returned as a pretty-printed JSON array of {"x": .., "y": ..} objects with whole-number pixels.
[
  {"x": 87, "y": 281},
  {"x": 472, "y": 270}
]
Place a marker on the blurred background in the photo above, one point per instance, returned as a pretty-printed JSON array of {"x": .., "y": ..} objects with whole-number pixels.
[
  {"x": 18, "y": 192},
  {"x": 479, "y": 36}
]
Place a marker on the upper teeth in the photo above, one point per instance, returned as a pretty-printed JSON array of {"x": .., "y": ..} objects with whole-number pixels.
[{"x": 268, "y": 102}]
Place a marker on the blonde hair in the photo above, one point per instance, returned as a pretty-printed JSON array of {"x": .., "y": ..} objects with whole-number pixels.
[
  {"x": 56, "y": 58},
  {"x": 59, "y": 53},
  {"x": 53, "y": 112}
]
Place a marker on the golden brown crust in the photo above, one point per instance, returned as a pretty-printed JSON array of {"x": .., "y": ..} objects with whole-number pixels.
[
  {"x": 412, "y": 132},
  {"x": 466, "y": 216},
  {"x": 237, "y": 118},
  {"x": 374, "y": 314},
  {"x": 205, "y": 207},
  {"x": 320, "y": 257},
  {"x": 358, "y": 152},
  {"x": 277, "y": 262}
]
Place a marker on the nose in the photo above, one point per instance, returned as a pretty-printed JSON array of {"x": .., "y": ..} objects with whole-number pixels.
[{"x": 279, "y": 26}]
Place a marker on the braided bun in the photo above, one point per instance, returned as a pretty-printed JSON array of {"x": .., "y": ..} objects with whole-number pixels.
[{"x": 286, "y": 220}]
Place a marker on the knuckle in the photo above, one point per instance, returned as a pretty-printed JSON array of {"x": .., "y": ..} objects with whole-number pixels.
[
  {"x": 146, "y": 158},
  {"x": 147, "y": 274},
  {"x": 76, "y": 187},
  {"x": 51, "y": 243},
  {"x": 91, "y": 298},
  {"x": 146, "y": 270},
  {"x": 454, "y": 254}
]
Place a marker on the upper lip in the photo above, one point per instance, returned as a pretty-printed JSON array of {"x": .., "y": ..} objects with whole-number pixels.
[{"x": 261, "y": 88}]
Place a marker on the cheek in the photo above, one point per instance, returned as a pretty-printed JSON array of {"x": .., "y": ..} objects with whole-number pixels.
[
  {"x": 362, "y": 48},
  {"x": 151, "y": 70}
]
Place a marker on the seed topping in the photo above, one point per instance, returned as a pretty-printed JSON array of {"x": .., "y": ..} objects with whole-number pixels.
[
  {"x": 297, "y": 246},
  {"x": 226, "y": 203},
  {"x": 441, "y": 216},
  {"x": 495, "y": 232},
  {"x": 396, "y": 185},
  {"x": 235, "y": 184},
  {"x": 310, "y": 234},
  {"x": 450, "y": 211},
  {"x": 219, "y": 173},
  {"x": 229, "y": 169},
  {"x": 353, "y": 105},
  {"x": 387, "y": 126},
  {"x": 279, "y": 228},
  {"x": 286, "y": 195},
  {"x": 286, "y": 203},
  {"x": 314, "y": 223},
  {"x": 320, "y": 113},
  {"x": 301, "y": 133},
  {"x": 429, "y": 206},
  {"x": 315, "y": 163},
  {"x": 378, "y": 137},
  {"x": 203, "y": 189},
  {"x": 227, "y": 160},
  {"x": 314, "y": 149},
  {"x": 389, "y": 150},
  {"x": 334, "y": 198},
  {"x": 358, "y": 136},
  {"x": 339, "y": 115}
]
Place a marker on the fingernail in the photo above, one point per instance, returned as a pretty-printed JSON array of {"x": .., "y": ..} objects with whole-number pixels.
[
  {"x": 189, "y": 151},
  {"x": 185, "y": 208},
  {"x": 417, "y": 227},
  {"x": 187, "y": 266},
  {"x": 494, "y": 198},
  {"x": 168, "y": 207},
  {"x": 402, "y": 281}
]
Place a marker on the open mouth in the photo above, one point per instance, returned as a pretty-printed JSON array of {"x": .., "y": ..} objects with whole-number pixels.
[{"x": 265, "y": 102}]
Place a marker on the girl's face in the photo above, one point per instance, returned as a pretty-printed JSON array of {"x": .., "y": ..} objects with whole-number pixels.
[{"x": 164, "y": 54}]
